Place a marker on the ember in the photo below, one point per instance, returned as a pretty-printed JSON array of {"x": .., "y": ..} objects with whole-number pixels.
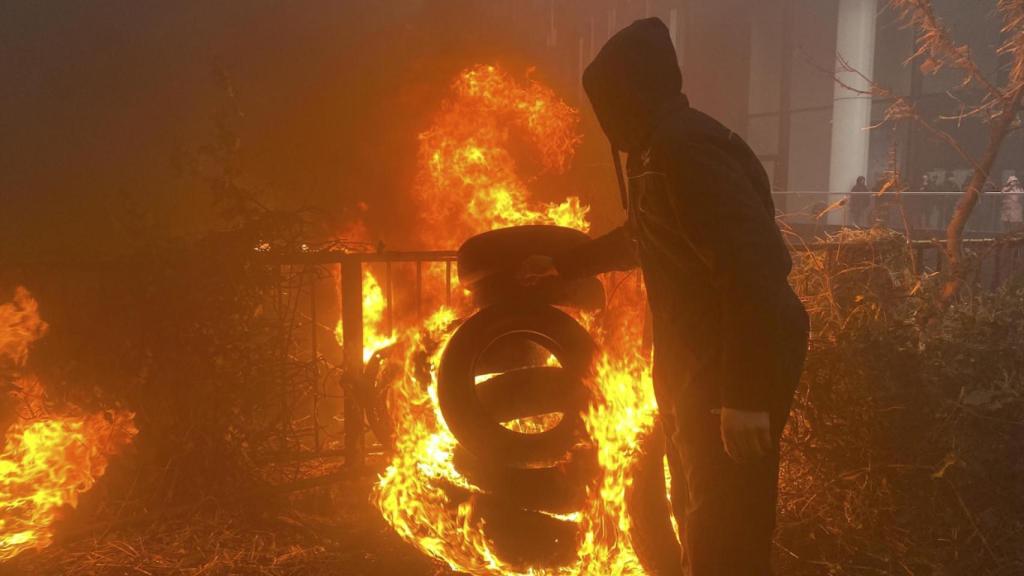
[{"x": 50, "y": 457}]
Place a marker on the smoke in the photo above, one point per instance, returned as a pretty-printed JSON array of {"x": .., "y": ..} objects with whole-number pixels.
[{"x": 107, "y": 109}]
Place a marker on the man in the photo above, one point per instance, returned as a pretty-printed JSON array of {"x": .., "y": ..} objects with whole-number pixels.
[
  {"x": 859, "y": 200},
  {"x": 729, "y": 333},
  {"x": 947, "y": 203},
  {"x": 1012, "y": 209}
]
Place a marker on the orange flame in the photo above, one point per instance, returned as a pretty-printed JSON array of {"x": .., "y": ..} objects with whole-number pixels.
[
  {"x": 468, "y": 183},
  {"x": 375, "y": 336},
  {"x": 48, "y": 459}
]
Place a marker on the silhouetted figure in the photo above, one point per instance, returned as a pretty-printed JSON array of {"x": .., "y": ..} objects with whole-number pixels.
[
  {"x": 729, "y": 333},
  {"x": 917, "y": 205},
  {"x": 859, "y": 201},
  {"x": 950, "y": 184},
  {"x": 1012, "y": 213},
  {"x": 947, "y": 201}
]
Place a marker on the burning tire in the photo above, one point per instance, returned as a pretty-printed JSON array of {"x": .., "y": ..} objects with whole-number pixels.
[
  {"x": 495, "y": 251},
  {"x": 488, "y": 262},
  {"x": 468, "y": 417},
  {"x": 495, "y": 374}
]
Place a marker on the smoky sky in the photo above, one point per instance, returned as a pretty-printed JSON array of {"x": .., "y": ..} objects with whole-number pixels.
[{"x": 106, "y": 105}]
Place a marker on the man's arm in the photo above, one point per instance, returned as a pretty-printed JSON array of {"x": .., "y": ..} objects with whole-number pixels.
[{"x": 612, "y": 251}]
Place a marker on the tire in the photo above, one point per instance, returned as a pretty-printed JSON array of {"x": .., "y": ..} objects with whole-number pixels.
[
  {"x": 467, "y": 417},
  {"x": 488, "y": 262},
  {"x": 502, "y": 250},
  {"x": 584, "y": 294},
  {"x": 524, "y": 538},
  {"x": 557, "y": 489},
  {"x": 531, "y": 391}
]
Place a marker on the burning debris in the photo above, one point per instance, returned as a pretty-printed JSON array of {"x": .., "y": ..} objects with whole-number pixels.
[{"x": 51, "y": 455}]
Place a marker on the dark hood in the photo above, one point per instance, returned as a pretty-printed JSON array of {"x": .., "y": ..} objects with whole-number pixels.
[{"x": 632, "y": 79}]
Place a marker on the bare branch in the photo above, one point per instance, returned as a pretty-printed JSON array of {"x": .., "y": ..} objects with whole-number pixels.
[
  {"x": 937, "y": 48},
  {"x": 903, "y": 109}
]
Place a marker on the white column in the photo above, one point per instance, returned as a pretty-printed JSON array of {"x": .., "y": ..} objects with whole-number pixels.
[{"x": 851, "y": 111}]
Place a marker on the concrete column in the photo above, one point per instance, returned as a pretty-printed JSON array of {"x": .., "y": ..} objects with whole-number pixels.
[{"x": 851, "y": 111}]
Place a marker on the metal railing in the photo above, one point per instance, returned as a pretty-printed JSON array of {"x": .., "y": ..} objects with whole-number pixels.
[
  {"x": 350, "y": 267},
  {"x": 927, "y": 213},
  {"x": 998, "y": 260}
]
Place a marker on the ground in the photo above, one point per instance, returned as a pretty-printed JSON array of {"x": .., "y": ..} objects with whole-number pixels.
[{"x": 333, "y": 531}]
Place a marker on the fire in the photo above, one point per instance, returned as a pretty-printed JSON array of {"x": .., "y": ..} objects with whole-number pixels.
[
  {"x": 49, "y": 458},
  {"x": 375, "y": 336},
  {"x": 469, "y": 183},
  {"x": 468, "y": 180}
]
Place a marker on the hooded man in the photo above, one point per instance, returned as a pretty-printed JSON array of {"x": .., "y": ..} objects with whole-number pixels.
[{"x": 729, "y": 333}]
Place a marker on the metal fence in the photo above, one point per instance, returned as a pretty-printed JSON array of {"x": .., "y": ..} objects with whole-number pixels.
[
  {"x": 350, "y": 268},
  {"x": 926, "y": 213},
  {"x": 998, "y": 259}
]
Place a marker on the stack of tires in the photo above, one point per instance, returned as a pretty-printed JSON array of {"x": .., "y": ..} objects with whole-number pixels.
[{"x": 496, "y": 369}]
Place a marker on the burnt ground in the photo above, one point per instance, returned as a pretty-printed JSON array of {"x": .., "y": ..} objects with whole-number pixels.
[{"x": 325, "y": 531}]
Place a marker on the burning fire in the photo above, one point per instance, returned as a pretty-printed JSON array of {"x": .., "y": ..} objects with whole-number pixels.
[
  {"x": 468, "y": 182},
  {"x": 49, "y": 458}
]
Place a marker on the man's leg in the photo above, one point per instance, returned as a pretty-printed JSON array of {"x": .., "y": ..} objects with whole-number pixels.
[
  {"x": 727, "y": 509},
  {"x": 729, "y": 513}
]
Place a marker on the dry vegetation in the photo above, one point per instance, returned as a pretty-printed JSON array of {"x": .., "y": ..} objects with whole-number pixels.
[{"x": 903, "y": 452}]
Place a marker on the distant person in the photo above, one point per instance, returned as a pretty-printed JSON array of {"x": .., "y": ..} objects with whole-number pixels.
[
  {"x": 947, "y": 202},
  {"x": 950, "y": 184},
  {"x": 1012, "y": 213},
  {"x": 859, "y": 201},
  {"x": 916, "y": 204}
]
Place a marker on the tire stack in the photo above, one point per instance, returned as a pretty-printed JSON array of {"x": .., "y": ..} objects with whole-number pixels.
[
  {"x": 526, "y": 479},
  {"x": 528, "y": 482}
]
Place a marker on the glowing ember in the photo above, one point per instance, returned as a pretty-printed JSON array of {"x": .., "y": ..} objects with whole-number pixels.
[
  {"x": 49, "y": 459},
  {"x": 468, "y": 183}
]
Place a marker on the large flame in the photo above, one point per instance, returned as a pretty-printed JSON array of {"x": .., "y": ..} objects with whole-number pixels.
[
  {"x": 49, "y": 458},
  {"x": 469, "y": 183}
]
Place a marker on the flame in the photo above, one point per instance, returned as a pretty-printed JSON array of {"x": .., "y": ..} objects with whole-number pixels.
[
  {"x": 375, "y": 334},
  {"x": 469, "y": 183},
  {"x": 20, "y": 326},
  {"x": 49, "y": 459}
]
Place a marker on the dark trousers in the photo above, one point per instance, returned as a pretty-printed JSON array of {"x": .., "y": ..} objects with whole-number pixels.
[{"x": 726, "y": 510}]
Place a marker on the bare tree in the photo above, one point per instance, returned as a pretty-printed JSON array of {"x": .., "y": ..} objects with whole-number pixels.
[{"x": 997, "y": 103}]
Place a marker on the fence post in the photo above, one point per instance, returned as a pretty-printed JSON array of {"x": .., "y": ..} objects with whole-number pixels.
[
  {"x": 352, "y": 344},
  {"x": 997, "y": 266},
  {"x": 315, "y": 354},
  {"x": 448, "y": 282},
  {"x": 419, "y": 290}
]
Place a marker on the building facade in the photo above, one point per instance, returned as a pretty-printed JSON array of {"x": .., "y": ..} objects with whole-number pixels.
[{"x": 768, "y": 69}]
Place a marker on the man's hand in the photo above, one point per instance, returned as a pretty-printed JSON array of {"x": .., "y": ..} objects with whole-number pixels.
[
  {"x": 535, "y": 269},
  {"x": 746, "y": 435}
]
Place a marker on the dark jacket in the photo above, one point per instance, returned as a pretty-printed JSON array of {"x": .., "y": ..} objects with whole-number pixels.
[{"x": 701, "y": 225}]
